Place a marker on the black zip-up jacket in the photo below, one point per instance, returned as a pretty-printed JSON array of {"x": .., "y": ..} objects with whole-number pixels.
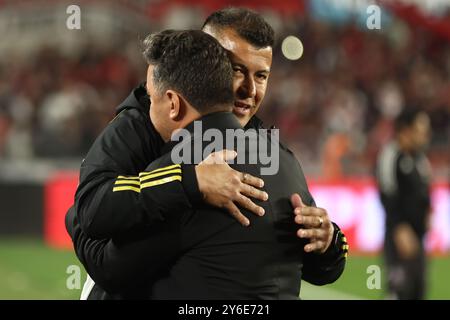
[
  {"x": 120, "y": 155},
  {"x": 125, "y": 148}
]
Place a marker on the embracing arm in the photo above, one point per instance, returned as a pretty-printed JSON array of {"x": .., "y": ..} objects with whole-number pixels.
[
  {"x": 326, "y": 251},
  {"x": 101, "y": 258},
  {"x": 117, "y": 190},
  {"x": 105, "y": 202},
  {"x": 326, "y": 248}
]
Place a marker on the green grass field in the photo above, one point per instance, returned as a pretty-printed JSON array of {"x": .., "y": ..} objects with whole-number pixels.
[{"x": 31, "y": 270}]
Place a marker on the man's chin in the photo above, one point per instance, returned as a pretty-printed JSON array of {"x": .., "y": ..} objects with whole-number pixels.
[
  {"x": 242, "y": 112},
  {"x": 243, "y": 119}
]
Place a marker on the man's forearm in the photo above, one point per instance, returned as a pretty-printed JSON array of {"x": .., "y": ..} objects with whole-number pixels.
[{"x": 111, "y": 207}]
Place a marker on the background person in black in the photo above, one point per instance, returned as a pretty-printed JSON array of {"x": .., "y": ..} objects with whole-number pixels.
[
  {"x": 403, "y": 175},
  {"x": 251, "y": 54},
  {"x": 200, "y": 253}
]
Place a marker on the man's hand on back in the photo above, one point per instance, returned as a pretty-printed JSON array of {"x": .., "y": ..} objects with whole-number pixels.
[
  {"x": 316, "y": 225},
  {"x": 226, "y": 188}
]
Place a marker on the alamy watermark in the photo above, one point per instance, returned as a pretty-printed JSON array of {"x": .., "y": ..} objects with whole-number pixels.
[
  {"x": 253, "y": 146},
  {"x": 374, "y": 17},
  {"x": 374, "y": 279},
  {"x": 73, "y": 281},
  {"x": 73, "y": 21}
]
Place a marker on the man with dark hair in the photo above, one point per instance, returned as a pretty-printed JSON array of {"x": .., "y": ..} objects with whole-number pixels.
[
  {"x": 251, "y": 56},
  {"x": 403, "y": 175},
  {"x": 188, "y": 80},
  {"x": 248, "y": 25},
  {"x": 249, "y": 40}
]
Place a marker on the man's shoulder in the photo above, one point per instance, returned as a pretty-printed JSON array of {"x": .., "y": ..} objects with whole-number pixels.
[
  {"x": 137, "y": 100},
  {"x": 271, "y": 134},
  {"x": 389, "y": 149},
  {"x": 389, "y": 156},
  {"x": 128, "y": 124},
  {"x": 130, "y": 116}
]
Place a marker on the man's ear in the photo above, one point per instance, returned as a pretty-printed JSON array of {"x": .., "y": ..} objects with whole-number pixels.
[{"x": 177, "y": 106}]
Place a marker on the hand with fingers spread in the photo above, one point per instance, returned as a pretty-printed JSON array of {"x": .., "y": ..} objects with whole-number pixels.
[
  {"x": 315, "y": 225},
  {"x": 224, "y": 187}
]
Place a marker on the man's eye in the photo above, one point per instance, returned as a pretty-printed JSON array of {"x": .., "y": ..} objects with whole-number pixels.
[{"x": 262, "y": 76}]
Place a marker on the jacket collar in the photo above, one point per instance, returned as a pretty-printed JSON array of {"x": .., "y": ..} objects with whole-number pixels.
[
  {"x": 137, "y": 99},
  {"x": 254, "y": 123}
]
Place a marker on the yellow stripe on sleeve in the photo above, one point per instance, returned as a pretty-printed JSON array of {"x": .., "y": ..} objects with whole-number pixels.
[
  {"x": 158, "y": 174},
  {"x": 173, "y": 170},
  {"x": 127, "y": 182},
  {"x": 128, "y": 177},
  {"x": 126, "y": 188},
  {"x": 160, "y": 169},
  {"x": 160, "y": 181}
]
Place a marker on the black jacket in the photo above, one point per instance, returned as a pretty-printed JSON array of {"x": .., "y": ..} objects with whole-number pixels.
[
  {"x": 404, "y": 185},
  {"x": 126, "y": 265},
  {"x": 125, "y": 148}
]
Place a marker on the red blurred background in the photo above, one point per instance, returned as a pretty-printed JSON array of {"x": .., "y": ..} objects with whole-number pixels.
[{"x": 334, "y": 106}]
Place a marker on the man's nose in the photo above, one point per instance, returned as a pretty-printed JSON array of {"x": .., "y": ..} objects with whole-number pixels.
[{"x": 248, "y": 88}]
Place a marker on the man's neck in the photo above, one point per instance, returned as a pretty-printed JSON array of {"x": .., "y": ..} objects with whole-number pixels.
[
  {"x": 218, "y": 120},
  {"x": 193, "y": 114}
]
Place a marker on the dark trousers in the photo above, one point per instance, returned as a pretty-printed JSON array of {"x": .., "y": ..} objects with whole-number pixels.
[{"x": 406, "y": 279}]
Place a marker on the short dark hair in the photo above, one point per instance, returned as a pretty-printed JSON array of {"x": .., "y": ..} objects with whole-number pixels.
[
  {"x": 406, "y": 118},
  {"x": 248, "y": 24},
  {"x": 192, "y": 63}
]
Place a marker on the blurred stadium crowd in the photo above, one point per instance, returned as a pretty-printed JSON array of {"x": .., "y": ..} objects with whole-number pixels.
[{"x": 334, "y": 106}]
